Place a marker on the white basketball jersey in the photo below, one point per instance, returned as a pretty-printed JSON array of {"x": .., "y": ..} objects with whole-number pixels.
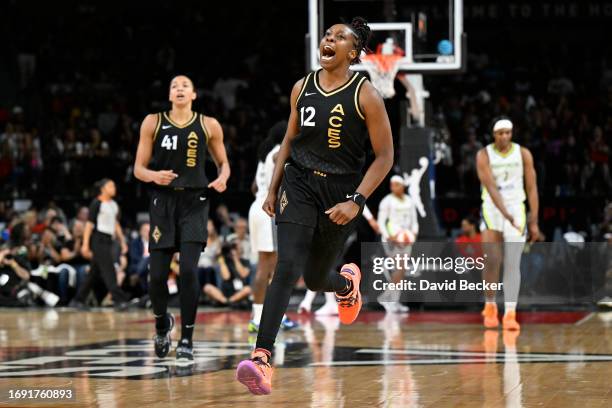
[
  {"x": 263, "y": 175},
  {"x": 507, "y": 169},
  {"x": 396, "y": 214}
]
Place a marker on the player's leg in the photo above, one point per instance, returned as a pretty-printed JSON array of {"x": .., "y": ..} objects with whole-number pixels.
[
  {"x": 266, "y": 259},
  {"x": 294, "y": 245},
  {"x": 320, "y": 274},
  {"x": 192, "y": 215},
  {"x": 514, "y": 242},
  {"x": 294, "y": 241},
  {"x": 189, "y": 290},
  {"x": 390, "y": 299},
  {"x": 158, "y": 294},
  {"x": 492, "y": 238},
  {"x": 265, "y": 267},
  {"x": 306, "y": 303}
]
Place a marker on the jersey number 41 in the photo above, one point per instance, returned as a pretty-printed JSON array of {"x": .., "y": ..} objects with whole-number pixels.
[{"x": 169, "y": 142}]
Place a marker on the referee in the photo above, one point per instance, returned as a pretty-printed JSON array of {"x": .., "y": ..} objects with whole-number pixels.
[{"x": 101, "y": 230}]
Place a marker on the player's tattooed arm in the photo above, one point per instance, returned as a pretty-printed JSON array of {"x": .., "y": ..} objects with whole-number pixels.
[
  {"x": 285, "y": 150},
  {"x": 218, "y": 153},
  {"x": 144, "y": 152}
]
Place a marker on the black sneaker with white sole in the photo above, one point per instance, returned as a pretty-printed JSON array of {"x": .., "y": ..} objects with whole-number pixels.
[
  {"x": 163, "y": 341},
  {"x": 184, "y": 351}
]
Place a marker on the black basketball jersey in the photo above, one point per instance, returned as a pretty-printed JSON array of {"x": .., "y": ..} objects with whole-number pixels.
[
  {"x": 182, "y": 149},
  {"x": 333, "y": 132}
]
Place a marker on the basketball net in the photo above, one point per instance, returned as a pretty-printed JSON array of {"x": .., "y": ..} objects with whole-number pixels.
[{"x": 382, "y": 69}]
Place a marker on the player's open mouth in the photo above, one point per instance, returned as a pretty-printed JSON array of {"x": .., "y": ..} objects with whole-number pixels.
[{"x": 327, "y": 53}]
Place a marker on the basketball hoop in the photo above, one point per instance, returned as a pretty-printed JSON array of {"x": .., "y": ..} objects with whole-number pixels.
[{"x": 382, "y": 69}]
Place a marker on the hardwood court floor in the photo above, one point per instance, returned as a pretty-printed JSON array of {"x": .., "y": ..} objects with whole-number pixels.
[{"x": 431, "y": 359}]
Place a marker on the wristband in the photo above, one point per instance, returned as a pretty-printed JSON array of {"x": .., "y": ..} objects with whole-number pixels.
[{"x": 358, "y": 199}]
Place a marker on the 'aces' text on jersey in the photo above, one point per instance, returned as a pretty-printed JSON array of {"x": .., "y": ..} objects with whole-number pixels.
[
  {"x": 182, "y": 149},
  {"x": 333, "y": 132}
]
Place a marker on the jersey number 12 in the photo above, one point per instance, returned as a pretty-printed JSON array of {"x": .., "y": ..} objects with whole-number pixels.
[
  {"x": 310, "y": 112},
  {"x": 169, "y": 142}
]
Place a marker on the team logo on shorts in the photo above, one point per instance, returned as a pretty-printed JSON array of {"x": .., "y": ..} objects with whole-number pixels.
[
  {"x": 283, "y": 201},
  {"x": 156, "y": 234}
]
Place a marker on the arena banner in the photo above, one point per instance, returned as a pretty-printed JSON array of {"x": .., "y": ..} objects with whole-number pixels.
[{"x": 418, "y": 170}]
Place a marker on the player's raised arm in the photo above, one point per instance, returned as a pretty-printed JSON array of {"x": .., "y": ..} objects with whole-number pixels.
[
  {"x": 531, "y": 187},
  {"x": 144, "y": 152},
  {"x": 218, "y": 153},
  {"x": 486, "y": 178},
  {"x": 285, "y": 150}
]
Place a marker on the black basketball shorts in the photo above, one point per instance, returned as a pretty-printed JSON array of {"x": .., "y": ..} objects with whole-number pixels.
[
  {"x": 306, "y": 194},
  {"x": 178, "y": 215}
]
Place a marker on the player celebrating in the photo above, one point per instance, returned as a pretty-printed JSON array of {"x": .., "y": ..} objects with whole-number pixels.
[
  {"x": 505, "y": 170},
  {"x": 171, "y": 154},
  {"x": 397, "y": 216},
  {"x": 333, "y": 111},
  {"x": 262, "y": 230}
]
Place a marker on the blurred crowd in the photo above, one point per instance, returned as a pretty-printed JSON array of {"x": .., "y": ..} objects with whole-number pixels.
[
  {"x": 41, "y": 260},
  {"x": 565, "y": 120},
  {"x": 73, "y": 101}
]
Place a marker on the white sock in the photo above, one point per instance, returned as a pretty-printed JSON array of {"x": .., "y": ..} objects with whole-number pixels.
[
  {"x": 257, "y": 308},
  {"x": 308, "y": 298},
  {"x": 330, "y": 298},
  {"x": 509, "y": 307}
]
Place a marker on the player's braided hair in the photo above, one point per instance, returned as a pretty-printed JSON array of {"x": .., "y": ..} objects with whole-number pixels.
[{"x": 362, "y": 33}]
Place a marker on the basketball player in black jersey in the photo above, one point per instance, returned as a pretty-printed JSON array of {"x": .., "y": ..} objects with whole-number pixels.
[
  {"x": 171, "y": 154},
  {"x": 333, "y": 112}
]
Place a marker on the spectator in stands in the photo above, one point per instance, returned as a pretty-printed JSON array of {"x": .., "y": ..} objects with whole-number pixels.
[
  {"x": 74, "y": 271},
  {"x": 596, "y": 174},
  {"x": 83, "y": 214},
  {"x": 240, "y": 237},
  {"x": 468, "y": 179},
  {"x": 225, "y": 221},
  {"x": 208, "y": 264},
  {"x": 138, "y": 271},
  {"x": 233, "y": 277},
  {"x": 14, "y": 266},
  {"x": 469, "y": 242}
]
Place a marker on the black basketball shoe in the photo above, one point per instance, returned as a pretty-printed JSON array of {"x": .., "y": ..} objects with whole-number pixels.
[{"x": 163, "y": 341}]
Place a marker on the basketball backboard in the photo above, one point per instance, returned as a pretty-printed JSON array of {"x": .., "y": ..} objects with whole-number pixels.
[{"x": 429, "y": 33}]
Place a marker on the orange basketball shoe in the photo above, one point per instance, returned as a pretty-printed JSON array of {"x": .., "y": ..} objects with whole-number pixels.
[
  {"x": 491, "y": 321},
  {"x": 256, "y": 373},
  {"x": 509, "y": 322},
  {"x": 349, "y": 305}
]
